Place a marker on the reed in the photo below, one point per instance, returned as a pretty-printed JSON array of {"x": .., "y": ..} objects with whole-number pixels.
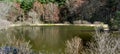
[
  {"x": 16, "y": 46},
  {"x": 74, "y": 46}
]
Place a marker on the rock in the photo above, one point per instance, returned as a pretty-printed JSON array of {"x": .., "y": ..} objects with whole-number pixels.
[
  {"x": 86, "y": 22},
  {"x": 66, "y": 22},
  {"x": 77, "y": 22},
  {"x": 81, "y": 22},
  {"x": 8, "y": 50},
  {"x": 97, "y": 22},
  {"x": 12, "y": 50}
]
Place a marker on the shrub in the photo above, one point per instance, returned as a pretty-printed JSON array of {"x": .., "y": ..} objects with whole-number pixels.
[
  {"x": 74, "y": 46},
  {"x": 104, "y": 43},
  {"x": 16, "y": 46}
]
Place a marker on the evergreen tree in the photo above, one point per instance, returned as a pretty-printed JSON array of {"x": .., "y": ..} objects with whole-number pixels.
[
  {"x": 116, "y": 21},
  {"x": 112, "y": 7}
]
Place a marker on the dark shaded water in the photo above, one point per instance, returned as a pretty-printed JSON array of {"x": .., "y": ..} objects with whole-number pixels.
[{"x": 49, "y": 39}]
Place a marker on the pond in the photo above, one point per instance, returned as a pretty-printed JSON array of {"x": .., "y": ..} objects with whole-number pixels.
[{"x": 48, "y": 39}]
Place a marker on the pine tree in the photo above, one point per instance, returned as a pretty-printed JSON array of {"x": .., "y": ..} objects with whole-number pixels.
[
  {"x": 116, "y": 22},
  {"x": 112, "y": 6}
]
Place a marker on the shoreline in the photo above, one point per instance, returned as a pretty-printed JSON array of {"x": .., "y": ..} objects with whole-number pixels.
[{"x": 105, "y": 26}]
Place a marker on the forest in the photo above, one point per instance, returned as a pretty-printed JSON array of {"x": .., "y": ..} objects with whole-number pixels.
[{"x": 60, "y": 11}]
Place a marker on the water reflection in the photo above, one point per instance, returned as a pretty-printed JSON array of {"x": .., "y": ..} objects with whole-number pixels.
[{"x": 48, "y": 39}]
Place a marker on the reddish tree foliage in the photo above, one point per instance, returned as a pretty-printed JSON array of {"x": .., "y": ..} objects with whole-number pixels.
[{"x": 47, "y": 12}]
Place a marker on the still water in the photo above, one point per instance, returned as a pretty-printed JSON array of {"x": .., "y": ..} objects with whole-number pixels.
[{"x": 48, "y": 39}]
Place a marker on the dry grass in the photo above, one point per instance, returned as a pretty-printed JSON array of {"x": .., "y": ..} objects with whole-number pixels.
[
  {"x": 74, "y": 46},
  {"x": 14, "y": 45},
  {"x": 102, "y": 43}
]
